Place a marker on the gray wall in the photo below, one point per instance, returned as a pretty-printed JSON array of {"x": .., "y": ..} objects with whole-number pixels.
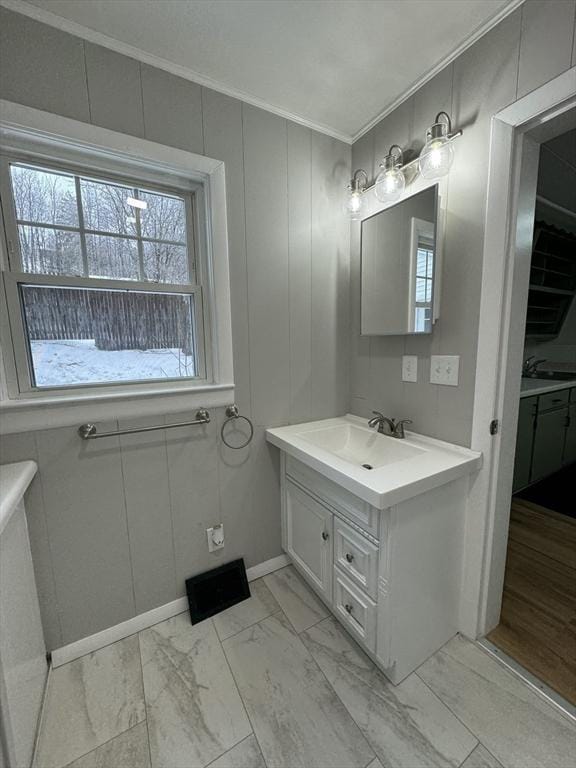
[
  {"x": 530, "y": 47},
  {"x": 117, "y": 526}
]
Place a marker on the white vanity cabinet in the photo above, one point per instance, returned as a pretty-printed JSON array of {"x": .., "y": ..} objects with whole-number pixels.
[{"x": 392, "y": 576}]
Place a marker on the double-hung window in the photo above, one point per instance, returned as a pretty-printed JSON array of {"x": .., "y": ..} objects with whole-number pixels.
[{"x": 103, "y": 283}]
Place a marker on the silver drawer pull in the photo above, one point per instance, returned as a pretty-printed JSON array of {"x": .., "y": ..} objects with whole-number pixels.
[
  {"x": 349, "y": 557},
  {"x": 348, "y": 608},
  {"x": 325, "y": 536}
]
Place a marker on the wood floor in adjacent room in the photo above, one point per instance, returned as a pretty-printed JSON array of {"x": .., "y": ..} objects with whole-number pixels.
[{"x": 538, "y": 622}]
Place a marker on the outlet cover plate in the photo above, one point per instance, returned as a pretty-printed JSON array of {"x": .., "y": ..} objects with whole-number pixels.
[
  {"x": 215, "y": 537},
  {"x": 409, "y": 368},
  {"x": 445, "y": 369}
]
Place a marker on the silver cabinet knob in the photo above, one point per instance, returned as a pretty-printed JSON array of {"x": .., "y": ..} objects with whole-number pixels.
[
  {"x": 325, "y": 536},
  {"x": 349, "y": 557},
  {"x": 348, "y": 608}
]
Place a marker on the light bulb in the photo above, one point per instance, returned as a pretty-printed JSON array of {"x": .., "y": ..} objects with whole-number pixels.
[
  {"x": 390, "y": 182},
  {"x": 354, "y": 199},
  {"x": 389, "y": 185},
  {"x": 436, "y": 158},
  {"x": 354, "y": 204},
  {"x": 438, "y": 153}
]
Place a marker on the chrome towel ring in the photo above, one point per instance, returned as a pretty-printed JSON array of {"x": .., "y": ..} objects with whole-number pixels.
[{"x": 233, "y": 414}]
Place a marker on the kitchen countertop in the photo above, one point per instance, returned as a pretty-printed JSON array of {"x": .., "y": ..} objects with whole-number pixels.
[{"x": 531, "y": 387}]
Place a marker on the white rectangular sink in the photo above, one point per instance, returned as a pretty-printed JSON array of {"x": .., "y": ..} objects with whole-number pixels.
[
  {"x": 360, "y": 446},
  {"x": 379, "y": 469}
]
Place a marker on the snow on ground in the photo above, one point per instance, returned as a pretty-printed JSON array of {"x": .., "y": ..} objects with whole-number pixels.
[{"x": 70, "y": 361}]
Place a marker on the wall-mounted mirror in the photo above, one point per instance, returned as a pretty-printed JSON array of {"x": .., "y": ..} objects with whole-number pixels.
[{"x": 399, "y": 267}]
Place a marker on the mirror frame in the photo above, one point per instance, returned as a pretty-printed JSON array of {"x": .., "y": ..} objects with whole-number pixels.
[{"x": 373, "y": 207}]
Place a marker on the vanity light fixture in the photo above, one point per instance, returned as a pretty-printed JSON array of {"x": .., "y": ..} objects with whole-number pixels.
[
  {"x": 390, "y": 182},
  {"x": 434, "y": 161},
  {"x": 438, "y": 153},
  {"x": 354, "y": 201}
]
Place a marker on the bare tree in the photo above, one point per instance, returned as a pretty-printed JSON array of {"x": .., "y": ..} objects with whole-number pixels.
[{"x": 113, "y": 229}]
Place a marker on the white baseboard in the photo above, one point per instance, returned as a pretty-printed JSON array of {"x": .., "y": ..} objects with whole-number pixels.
[
  {"x": 144, "y": 620},
  {"x": 268, "y": 566}
]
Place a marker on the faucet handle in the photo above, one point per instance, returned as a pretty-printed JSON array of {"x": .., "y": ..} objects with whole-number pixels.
[{"x": 399, "y": 427}]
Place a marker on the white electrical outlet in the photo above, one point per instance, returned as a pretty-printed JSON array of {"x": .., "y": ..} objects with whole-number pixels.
[
  {"x": 444, "y": 369},
  {"x": 215, "y": 537},
  {"x": 409, "y": 368}
]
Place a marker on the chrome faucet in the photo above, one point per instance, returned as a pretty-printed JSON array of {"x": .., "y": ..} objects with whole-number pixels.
[
  {"x": 387, "y": 426},
  {"x": 530, "y": 366}
]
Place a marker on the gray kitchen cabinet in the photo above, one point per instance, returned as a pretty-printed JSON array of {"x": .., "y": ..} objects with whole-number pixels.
[
  {"x": 546, "y": 439},
  {"x": 524, "y": 442},
  {"x": 549, "y": 439}
]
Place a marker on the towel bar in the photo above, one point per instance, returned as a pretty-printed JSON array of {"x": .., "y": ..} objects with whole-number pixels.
[{"x": 89, "y": 432}]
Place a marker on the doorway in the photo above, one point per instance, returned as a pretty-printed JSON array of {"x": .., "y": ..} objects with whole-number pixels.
[
  {"x": 518, "y": 134},
  {"x": 537, "y": 625}
]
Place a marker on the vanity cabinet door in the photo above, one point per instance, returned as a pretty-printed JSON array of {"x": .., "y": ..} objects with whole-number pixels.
[{"x": 309, "y": 537}]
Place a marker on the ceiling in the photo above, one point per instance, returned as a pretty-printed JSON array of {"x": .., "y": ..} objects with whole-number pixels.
[{"x": 336, "y": 65}]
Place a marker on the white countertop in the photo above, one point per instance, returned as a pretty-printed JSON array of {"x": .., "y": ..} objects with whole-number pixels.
[
  {"x": 14, "y": 481},
  {"x": 437, "y": 463},
  {"x": 531, "y": 387}
]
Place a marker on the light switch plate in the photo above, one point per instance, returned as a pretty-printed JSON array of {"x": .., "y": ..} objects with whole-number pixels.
[
  {"x": 444, "y": 369},
  {"x": 409, "y": 368}
]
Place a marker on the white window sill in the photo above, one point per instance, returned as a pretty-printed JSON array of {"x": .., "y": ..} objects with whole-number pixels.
[{"x": 25, "y": 415}]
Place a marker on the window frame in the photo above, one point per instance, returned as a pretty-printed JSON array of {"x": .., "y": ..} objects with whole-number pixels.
[
  {"x": 39, "y": 138},
  {"x": 12, "y": 222},
  {"x": 420, "y": 229},
  {"x": 15, "y": 277}
]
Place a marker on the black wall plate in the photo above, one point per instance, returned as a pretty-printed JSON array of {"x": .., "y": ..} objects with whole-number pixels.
[{"x": 214, "y": 591}]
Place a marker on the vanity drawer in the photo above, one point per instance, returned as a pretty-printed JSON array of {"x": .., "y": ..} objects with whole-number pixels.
[
  {"x": 355, "y": 609},
  {"x": 356, "y": 556},
  {"x": 553, "y": 400},
  {"x": 358, "y": 511}
]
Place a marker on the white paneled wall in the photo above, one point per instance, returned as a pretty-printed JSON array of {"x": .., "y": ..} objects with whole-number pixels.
[
  {"x": 117, "y": 525},
  {"x": 528, "y": 48}
]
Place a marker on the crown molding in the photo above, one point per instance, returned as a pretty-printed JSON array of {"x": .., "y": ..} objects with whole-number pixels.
[{"x": 98, "y": 38}]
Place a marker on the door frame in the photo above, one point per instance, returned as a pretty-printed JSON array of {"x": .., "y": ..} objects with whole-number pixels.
[{"x": 509, "y": 221}]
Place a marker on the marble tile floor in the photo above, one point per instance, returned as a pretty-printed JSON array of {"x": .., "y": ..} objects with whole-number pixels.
[{"x": 275, "y": 682}]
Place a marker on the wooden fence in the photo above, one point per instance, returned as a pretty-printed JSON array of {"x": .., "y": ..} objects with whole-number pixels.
[{"x": 114, "y": 319}]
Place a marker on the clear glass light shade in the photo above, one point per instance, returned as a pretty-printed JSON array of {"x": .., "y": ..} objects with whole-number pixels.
[
  {"x": 354, "y": 204},
  {"x": 390, "y": 184},
  {"x": 436, "y": 158}
]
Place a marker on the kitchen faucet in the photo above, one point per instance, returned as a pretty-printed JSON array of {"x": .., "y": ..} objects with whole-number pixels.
[
  {"x": 387, "y": 426},
  {"x": 530, "y": 366}
]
